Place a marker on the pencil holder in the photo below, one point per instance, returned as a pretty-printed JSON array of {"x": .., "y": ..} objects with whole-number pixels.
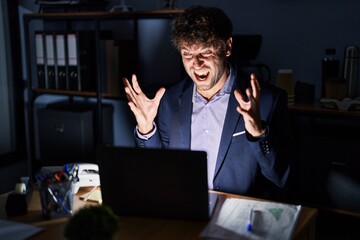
[
  {"x": 57, "y": 198},
  {"x": 57, "y": 191}
]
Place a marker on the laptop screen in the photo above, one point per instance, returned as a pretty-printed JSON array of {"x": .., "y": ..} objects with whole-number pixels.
[{"x": 154, "y": 182}]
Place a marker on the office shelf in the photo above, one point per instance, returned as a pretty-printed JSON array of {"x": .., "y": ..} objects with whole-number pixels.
[{"x": 130, "y": 34}]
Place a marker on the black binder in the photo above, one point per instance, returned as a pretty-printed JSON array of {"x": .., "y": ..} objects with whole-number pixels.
[
  {"x": 81, "y": 61},
  {"x": 61, "y": 71},
  {"x": 40, "y": 60},
  {"x": 50, "y": 61}
]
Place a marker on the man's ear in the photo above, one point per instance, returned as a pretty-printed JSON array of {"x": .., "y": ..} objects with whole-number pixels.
[{"x": 229, "y": 46}]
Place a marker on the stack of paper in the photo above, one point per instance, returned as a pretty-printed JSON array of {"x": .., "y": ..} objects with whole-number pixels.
[{"x": 268, "y": 220}]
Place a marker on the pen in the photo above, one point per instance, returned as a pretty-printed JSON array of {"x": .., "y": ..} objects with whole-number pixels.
[
  {"x": 58, "y": 201},
  {"x": 249, "y": 225}
]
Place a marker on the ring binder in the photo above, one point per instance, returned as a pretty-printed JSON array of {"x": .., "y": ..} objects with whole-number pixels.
[
  {"x": 50, "y": 61},
  {"x": 39, "y": 48},
  {"x": 81, "y": 61},
  {"x": 60, "y": 61}
]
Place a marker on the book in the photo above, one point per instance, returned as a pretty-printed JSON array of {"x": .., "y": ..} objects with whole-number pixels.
[{"x": 109, "y": 57}]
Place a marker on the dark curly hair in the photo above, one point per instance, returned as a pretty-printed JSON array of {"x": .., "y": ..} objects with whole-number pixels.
[{"x": 202, "y": 25}]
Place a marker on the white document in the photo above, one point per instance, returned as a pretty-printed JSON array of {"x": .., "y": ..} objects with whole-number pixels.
[
  {"x": 15, "y": 230},
  {"x": 269, "y": 220}
]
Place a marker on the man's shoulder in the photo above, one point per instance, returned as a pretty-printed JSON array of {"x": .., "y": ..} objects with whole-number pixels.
[{"x": 179, "y": 87}]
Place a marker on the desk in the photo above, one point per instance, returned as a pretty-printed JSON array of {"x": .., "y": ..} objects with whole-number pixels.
[{"x": 145, "y": 228}]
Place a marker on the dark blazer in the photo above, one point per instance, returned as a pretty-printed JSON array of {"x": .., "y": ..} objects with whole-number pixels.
[{"x": 245, "y": 165}]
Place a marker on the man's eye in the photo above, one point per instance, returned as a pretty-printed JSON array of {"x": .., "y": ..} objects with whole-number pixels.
[
  {"x": 187, "y": 55},
  {"x": 206, "y": 53}
]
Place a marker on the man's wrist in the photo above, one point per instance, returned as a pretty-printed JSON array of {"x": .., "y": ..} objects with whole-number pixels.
[
  {"x": 263, "y": 133},
  {"x": 145, "y": 136},
  {"x": 146, "y": 131}
]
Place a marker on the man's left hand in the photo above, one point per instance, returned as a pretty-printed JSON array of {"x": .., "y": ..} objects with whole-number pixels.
[{"x": 250, "y": 110}]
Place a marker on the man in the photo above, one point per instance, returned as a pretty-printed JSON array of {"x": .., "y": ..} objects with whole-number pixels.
[{"x": 241, "y": 126}]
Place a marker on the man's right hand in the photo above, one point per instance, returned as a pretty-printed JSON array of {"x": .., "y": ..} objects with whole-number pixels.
[{"x": 144, "y": 109}]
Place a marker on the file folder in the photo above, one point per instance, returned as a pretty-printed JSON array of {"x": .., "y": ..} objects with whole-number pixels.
[
  {"x": 61, "y": 61},
  {"x": 40, "y": 62},
  {"x": 87, "y": 60},
  {"x": 50, "y": 61},
  {"x": 81, "y": 61},
  {"x": 72, "y": 54}
]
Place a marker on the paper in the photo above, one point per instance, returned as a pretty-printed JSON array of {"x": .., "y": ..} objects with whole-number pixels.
[
  {"x": 269, "y": 220},
  {"x": 94, "y": 196},
  {"x": 15, "y": 230}
]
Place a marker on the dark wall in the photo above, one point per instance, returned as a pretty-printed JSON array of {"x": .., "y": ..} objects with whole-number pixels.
[{"x": 295, "y": 32}]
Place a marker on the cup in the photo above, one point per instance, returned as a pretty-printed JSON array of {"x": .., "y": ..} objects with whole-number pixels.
[{"x": 285, "y": 80}]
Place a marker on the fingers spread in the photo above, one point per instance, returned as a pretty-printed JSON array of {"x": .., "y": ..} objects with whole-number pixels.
[
  {"x": 135, "y": 84},
  {"x": 255, "y": 86},
  {"x": 159, "y": 94}
]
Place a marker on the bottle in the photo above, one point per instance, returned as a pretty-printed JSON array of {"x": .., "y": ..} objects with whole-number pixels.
[
  {"x": 351, "y": 70},
  {"x": 330, "y": 68}
]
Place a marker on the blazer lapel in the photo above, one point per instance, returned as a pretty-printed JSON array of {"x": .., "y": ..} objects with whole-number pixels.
[
  {"x": 232, "y": 119},
  {"x": 184, "y": 118}
]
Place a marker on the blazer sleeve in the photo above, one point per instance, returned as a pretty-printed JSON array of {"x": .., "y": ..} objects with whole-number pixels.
[{"x": 274, "y": 151}]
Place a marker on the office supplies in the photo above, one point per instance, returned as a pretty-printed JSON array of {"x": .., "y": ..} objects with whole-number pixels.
[
  {"x": 88, "y": 176},
  {"x": 269, "y": 220},
  {"x": 50, "y": 61},
  {"x": 56, "y": 189},
  {"x": 81, "y": 60},
  {"x": 89, "y": 194},
  {"x": 40, "y": 62},
  {"x": 61, "y": 72},
  {"x": 17, "y": 202},
  {"x": 249, "y": 225},
  {"x": 72, "y": 54},
  {"x": 95, "y": 196},
  {"x": 155, "y": 183}
]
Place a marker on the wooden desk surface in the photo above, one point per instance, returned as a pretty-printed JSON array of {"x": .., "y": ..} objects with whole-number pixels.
[{"x": 144, "y": 228}]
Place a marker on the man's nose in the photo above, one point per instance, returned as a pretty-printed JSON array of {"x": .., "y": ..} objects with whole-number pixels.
[{"x": 198, "y": 61}]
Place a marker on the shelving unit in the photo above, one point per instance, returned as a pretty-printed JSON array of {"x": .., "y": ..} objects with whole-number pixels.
[
  {"x": 327, "y": 165},
  {"x": 125, "y": 26}
]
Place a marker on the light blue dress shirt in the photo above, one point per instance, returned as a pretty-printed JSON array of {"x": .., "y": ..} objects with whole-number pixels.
[{"x": 207, "y": 122}]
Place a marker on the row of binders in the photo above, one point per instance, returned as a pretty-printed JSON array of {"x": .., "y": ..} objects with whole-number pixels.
[{"x": 66, "y": 61}]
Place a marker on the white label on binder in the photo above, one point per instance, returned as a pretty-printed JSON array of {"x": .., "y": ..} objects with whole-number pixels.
[
  {"x": 39, "y": 49},
  {"x": 72, "y": 50},
  {"x": 49, "y": 50},
  {"x": 60, "y": 50}
]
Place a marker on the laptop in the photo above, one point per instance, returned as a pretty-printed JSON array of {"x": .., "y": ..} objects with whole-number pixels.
[{"x": 155, "y": 183}]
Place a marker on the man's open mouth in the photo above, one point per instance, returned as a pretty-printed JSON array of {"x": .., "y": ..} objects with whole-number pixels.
[{"x": 201, "y": 76}]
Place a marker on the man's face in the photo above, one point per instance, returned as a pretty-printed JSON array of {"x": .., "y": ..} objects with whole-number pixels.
[{"x": 204, "y": 65}]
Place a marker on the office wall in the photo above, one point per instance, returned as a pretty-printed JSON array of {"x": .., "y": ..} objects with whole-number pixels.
[{"x": 295, "y": 32}]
